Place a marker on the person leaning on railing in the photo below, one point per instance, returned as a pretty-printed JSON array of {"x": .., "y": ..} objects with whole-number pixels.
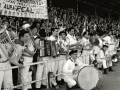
[
  {"x": 37, "y": 58},
  {"x": 64, "y": 44},
  {"x": 6, "y": 79},
  {"x": 27, "y": 56}
]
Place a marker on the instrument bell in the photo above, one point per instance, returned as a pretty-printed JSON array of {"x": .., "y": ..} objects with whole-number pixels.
[{"x": 25, "y": 26}]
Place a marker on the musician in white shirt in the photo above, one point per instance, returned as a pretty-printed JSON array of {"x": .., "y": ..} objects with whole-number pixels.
[
  {"x": 64, "y": 50},
  {"x": 53, "y": 37},
  {"x": 38, "y": 72},
  {"x": 87, "y": 47},
  {"x": 104, "y": 53},
  {"x": 99, "y": 36},
  {"x": 99, "y": 55},
  {"x": 109, "y": 40},
  {"x": 71, "y": 37},
  {"x": 27, "y": 56},
  {"x": 70, "y": 69},
  {"x": 6, "y": 79}
]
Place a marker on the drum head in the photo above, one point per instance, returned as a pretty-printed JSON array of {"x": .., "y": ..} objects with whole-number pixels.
[{"x": 88, "y": 78}]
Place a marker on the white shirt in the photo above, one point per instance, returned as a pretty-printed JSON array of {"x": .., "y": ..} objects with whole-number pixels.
[
  {"x": 100, "y": 42},
  {"x": 70, "y": 66},
  {"x": 84, "y": 42},
  {"x": 51, "y": 38},
  {"x": 4, "y": 52},
  {"x": 30, "y": 46},
  {"x": 101, "y": 54},
  {"x": 107, "y": 39},
  {"x": 64, "y": 43},
  {"x": 72, "y": 39}
]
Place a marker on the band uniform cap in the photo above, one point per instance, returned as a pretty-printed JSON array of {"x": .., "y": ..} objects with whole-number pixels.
[
  {"x": 105, "y": 45},
  {"x": 72, "y": 52}
]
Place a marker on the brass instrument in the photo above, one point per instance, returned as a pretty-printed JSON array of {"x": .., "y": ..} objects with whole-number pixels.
[
  {"x": 26, "y": 27},
  {"x": 6, "y": 41}
]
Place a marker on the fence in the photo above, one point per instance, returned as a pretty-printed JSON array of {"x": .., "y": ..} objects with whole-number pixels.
[{"x": 46, "y": 62}]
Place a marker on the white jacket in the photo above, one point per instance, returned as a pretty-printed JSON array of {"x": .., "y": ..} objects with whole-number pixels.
[{"x": 70, "y": 66}]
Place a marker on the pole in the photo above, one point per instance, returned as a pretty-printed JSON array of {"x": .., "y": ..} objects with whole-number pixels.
[{"x": 77, "y": 6}]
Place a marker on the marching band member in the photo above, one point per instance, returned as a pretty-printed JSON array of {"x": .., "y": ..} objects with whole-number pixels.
[
  {"x": 100, "y": 57},
  {"x": 70, "y": 69},
  {"x": 109, "y": 40},
  {"x": 99, "y": 36},
  {"x": 52, "y": 65},
  {"x": 16, "y": 59},
  {"x": 37, "y": 58},
  {"x": 79, "y": 46},
  {"x": 27, "y": 56},
  {"x": 65, "y": 46},
  {"x": 72, "y": 38},
  {"x": 105, "y": 55},
  {"x": 86, "y": 48},
  {"x": 5, "y": 76}
]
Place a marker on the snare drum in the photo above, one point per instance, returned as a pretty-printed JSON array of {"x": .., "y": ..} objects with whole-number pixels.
[{"x": 89, "y": 78}]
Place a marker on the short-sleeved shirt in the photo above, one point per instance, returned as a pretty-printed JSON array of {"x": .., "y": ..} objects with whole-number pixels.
[
  {"x": 107, "y": 39},
  {"x": 72, "y": 39},
  {"x": 64, "y": 43},
  {"x": 84, "y": 42}
]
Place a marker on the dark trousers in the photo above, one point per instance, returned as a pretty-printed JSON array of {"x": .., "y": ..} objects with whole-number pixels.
[{"x": 15, "y": 75}]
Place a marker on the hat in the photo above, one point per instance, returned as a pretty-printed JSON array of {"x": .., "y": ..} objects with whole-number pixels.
[
  {"x": 72, "y": 52},
  {"x": 105, "y": 45}
]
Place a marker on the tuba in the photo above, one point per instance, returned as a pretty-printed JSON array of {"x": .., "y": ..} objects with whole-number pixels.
[{"x": 6, "y": 42}]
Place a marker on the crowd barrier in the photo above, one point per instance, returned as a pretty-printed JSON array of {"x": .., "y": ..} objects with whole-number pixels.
[{"x": 46, "y": 78}]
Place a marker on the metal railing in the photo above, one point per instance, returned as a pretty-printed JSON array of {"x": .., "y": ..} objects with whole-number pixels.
[{"x": 46, "y": 62}]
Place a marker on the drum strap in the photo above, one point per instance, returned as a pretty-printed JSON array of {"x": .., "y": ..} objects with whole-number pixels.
[{"x": 72, "y": 60}]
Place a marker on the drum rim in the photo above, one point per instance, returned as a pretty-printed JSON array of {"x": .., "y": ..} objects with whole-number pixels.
[{"x": 81, "y": 70}]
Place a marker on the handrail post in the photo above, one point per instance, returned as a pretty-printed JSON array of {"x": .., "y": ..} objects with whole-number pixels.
[{"x": 46, "y": 62}]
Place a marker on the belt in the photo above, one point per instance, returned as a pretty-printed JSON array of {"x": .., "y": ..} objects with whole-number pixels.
[
  {"x": 26, "y": 55},
  {"x": 86, "y": 49},
  {"x": 63, "y": 53},
  {"x": 4, "y": 61}
]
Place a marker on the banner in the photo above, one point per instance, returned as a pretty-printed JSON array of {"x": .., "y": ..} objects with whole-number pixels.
[{"x": 24, "y": 8}]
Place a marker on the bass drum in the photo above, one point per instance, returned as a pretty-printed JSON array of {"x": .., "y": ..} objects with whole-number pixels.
[{"x": 89, "y": 78}]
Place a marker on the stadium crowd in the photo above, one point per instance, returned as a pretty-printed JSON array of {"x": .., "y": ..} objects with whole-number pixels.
[{"x": 93, "y": 39}]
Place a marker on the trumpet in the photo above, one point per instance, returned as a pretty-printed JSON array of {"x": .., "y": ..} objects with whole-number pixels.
[{"x": 26, "y": 27}]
